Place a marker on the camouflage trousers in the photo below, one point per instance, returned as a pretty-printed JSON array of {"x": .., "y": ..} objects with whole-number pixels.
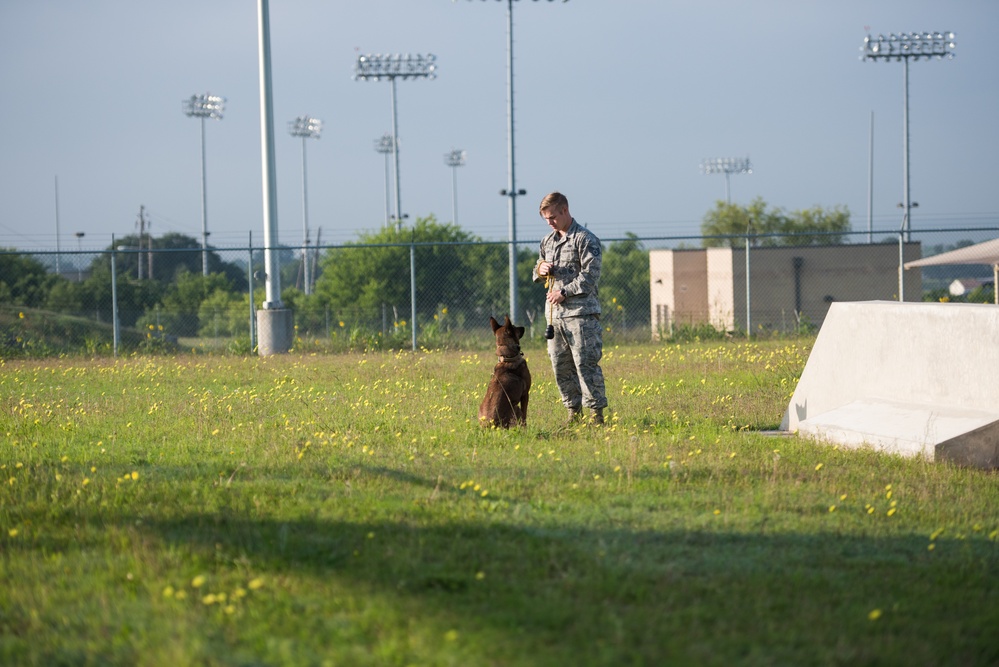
[{"x": 575, "y": 352}]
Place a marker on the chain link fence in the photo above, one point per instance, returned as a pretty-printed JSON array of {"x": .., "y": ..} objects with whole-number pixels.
[{"x": 144, "y": 297}]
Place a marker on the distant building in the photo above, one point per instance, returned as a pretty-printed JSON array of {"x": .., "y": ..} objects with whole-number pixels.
[{"x": 789, "y": 285}]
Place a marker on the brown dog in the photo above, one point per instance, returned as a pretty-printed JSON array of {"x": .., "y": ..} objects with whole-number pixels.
[{"x": 505, "y": 403}]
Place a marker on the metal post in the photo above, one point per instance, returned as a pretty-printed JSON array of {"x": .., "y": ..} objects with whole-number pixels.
[
  {"x": 906, "y": 46},
  {"x": 377, "y": 67},
  {"x": 727, "y": 166},
  {"x": 249, "y": 277},
  {"x": 305, "y": 221},
  {"x": 511, "y": 191},
  {"x": 901, "y": 255},
  {"x": 385, "y": 146},
  {"x": 306, "y": 127},
  {"x": 203, "y": 107},
  {"x": 204, "y": 205},
  {"x": 395, "y": 144},
  {"x": 454, "y": 159},
  {"x": 511, "y": 165},
  {"x": 454, "y": 195},
  {"x": 749, "y": 328},
  {"x": 412, "y": 288},
  {"x": 58, "y": 249},
  {"x": 271, "y": 264},
  {"x": 870, "y": 182},
  {"x": 907, "y": 202},
  {"x": 114, "y": 300},
  {"x": 79, "y": 257}
]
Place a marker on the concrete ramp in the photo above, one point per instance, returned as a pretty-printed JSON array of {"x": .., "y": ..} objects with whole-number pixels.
[{"x": 907, "y": 378}]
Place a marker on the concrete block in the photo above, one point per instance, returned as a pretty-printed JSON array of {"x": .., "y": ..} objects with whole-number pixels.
[{"x": 907, "y": 378}]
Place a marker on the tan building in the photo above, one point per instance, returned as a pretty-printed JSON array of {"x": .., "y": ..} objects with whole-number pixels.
[{"x": 789, "y": 285}]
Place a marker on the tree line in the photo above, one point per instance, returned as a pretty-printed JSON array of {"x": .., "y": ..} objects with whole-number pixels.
[{"x": 460, "y": 279}]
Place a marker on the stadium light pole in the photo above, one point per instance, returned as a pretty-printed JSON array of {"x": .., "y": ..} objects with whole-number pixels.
[
  {"x": 906, "y": 47},
  {"x": 375, "y": 67},
  {"x": 79, "y": 257},
  {"x": 385, "y": 147},
  {"x": 455, "y": 159},
  {"x": 204, "y": 106},
  {"x": 511, "y": 191},
  {"x": 305, "y": 127},
  {"x": 727, "y": 166}
]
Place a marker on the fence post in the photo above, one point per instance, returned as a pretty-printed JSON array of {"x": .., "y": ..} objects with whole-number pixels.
[
  {"x": 249, "y": 277},
  {"x": 901, "y": 257},
  {"x": 749, "y": 328},
  {"x": 412, "y": 288},
  {"x": 114, "y": 301}
]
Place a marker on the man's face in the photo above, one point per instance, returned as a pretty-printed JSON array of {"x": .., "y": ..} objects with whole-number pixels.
[{"x": 558, "y": 218}]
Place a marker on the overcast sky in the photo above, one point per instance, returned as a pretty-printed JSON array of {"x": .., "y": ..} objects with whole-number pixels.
[{"x": 617, "y": 104}]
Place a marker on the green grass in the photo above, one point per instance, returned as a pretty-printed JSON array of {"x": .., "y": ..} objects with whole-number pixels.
[{"x": 348, "y": 510}]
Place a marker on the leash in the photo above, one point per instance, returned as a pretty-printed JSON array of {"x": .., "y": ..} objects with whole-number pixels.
[{"x": 550, "y": 331}]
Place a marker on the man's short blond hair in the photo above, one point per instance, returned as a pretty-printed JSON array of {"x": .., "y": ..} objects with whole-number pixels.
[{"x": 555, "y": 200}]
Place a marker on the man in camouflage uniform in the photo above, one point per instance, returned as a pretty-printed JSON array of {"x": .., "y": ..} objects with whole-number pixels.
[{"x": 569, "y": 263}]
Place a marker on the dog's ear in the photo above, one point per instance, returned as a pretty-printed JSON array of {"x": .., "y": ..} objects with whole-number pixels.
[
  {"x": 506, "y": 321},
  {"x": 493, "y": 323},
  {"x": 520, "y": 332}
]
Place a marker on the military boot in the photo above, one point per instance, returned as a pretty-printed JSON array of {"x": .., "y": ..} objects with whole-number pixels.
[
  {"x": 597, "y": 416},
  {"x": 575, "y": 415}
]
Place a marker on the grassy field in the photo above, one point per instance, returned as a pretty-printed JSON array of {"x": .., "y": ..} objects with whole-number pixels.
[{"x": 348, "y": 510}]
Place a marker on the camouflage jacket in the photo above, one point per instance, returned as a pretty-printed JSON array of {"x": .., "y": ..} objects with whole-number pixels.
[{"x": 576, "y": 258}]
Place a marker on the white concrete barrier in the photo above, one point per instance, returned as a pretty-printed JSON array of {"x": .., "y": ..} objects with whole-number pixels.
[{"x": 908, "y": 378}]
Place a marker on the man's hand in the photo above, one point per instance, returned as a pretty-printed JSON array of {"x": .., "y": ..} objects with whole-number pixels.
[
  {"x": 544, "y": 268},
  {"x": 555, "y": 298}
]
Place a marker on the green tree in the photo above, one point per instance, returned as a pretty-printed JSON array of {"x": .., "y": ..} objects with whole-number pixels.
[
  {"x": 817, "y": 226},
  {"x": 24, "y": 280},
  {"x": 728, "y": 225},
  {"x": 183, "y": 298},
  {"x": 361, "y": 279},
  {"x": 95, "y": 296},
  {"x": 173, "y": 253},
  {"x": 624, "y": 284},
  {"x": 224, "y": 313}
]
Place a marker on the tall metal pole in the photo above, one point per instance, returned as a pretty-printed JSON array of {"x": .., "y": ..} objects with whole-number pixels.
[
  {"x": 204, "y": 205},
  {"x": 454, "y": 196},
  {"x": 385, "y": 146},
  {"x": 906, "y": 46},
  {"x": 749, "y": 326},
  {"x": 58, "y": 249},
  {"x": 454, "y": 159},
  {"x": 395, "y": 143},
  {"x": 115, "y": 331},
  {"x": 727, "y": 166},
  {"x": 906, "y": 201},
  {"x": 249, "y": 278},
  {"x": 275, "y": 323},
  {"x": 870, "y": 182},
  {"x": 204, "y": 107},
  {"x": 305, "y": 221},
  {"x": 511, "y": 190},
  {"x": 377, "y": 67},
  {"x": 511, "y": 164},
  {"x": 306, "y": 127},
  {"x": 272, "y": 299},
  {"x": 79, "y": 257}
]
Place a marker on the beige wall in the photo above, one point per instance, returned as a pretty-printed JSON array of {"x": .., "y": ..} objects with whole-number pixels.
[
  {"x": 678, "y": 287},
  {"x": 708, "y": 285}
]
